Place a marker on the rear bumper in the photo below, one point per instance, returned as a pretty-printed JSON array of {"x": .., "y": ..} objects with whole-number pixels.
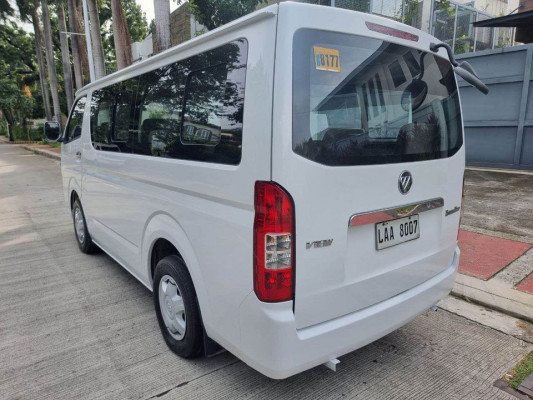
[{"x": 271, "y": 344}]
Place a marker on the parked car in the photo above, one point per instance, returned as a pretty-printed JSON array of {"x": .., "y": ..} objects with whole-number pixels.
[{"x": 307, "y": 204}]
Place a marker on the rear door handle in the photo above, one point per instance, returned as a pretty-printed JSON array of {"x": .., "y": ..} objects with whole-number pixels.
[{"x": 78, "y": 155}]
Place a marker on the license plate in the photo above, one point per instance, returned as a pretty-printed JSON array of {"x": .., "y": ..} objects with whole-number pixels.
[{"x": 397, "y": 231}]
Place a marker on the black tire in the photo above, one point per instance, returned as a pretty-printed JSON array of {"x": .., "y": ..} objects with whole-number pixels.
[
  {"x": 85, "y": 243},
  {"x": 190, "y": 345}
]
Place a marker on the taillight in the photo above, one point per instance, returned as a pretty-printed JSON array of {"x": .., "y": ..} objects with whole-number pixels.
[{"x": 273, "y": 243}]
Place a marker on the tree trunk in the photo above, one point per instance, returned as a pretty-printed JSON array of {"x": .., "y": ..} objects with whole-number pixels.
[
  {"x": 121, "y": 35},
  {"x": 41, "y": 64},
  {"x": 10, "y": 120},
  {"x": 74, "y": 39},
  {"x": 96, "y": 37},
  {"x": 82, "y": 40},
  {"x": 65, "y": 56},
  {"x": 162, "y": 25},
  {"x": 49, "y": 50}
]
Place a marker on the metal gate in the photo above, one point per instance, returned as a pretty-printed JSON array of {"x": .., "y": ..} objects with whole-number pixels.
[{"x": 499, "y": 126}]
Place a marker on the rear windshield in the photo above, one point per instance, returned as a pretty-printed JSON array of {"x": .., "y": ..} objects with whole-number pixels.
[{"x": 359, "y": 101}]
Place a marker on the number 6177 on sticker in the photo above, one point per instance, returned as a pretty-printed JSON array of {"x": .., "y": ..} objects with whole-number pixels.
[{"x": 327, "y": 59}]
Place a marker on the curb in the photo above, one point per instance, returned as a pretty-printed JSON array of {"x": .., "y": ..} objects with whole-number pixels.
[
  {"x": 495, "y": 295},
  {"x": 43, "y": 152}
]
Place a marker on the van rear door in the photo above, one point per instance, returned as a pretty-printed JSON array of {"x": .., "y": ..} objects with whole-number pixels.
[{"x": 372, "y": 155}]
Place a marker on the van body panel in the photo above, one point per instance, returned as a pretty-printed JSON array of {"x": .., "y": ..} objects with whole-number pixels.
[
  {"x": 212, "y": 204},
  {"x": 71, "y": 163},
  {"x": 351, "y": 274},
  {"x": 264, "y": 324}
]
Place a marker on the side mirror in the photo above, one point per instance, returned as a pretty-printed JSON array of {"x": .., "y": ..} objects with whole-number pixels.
[
  {"x": 52, "y": 131},
  {"x": 471, "y": 78}
]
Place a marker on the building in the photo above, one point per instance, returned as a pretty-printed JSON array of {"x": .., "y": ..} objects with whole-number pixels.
[{"x": 183, "y": 26}]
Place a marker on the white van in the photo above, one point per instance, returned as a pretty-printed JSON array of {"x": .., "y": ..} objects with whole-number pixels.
[{"x": 288, "y": 185}]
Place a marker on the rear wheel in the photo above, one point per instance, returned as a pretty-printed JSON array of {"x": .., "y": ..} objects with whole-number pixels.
[
  {"x": 177, "y": 308},
  {"x": 85, "y": 243}
]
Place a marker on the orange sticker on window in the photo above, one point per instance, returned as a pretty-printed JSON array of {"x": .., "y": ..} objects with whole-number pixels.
[{"x": 327, "y": 59}]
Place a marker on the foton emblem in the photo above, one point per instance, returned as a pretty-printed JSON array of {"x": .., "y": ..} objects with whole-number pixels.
[{"x": 319, "y": 243}]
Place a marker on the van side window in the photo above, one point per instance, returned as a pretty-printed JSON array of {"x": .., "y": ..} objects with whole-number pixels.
[
  {"x": 204, "y": 103},
  {"x": 73, "y": 130},
  {"x": 102, "y": 104},
  {"x": 124, "y": 133},
  {"x": 191, "y": 109},
  {"x": 123, "y": 110},
  {"x": 160, "y": 102}
]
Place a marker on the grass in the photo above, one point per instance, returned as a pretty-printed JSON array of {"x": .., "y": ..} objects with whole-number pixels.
[
  {"x": 521, "y": 371},
  {"x": 51, "y": 144}
]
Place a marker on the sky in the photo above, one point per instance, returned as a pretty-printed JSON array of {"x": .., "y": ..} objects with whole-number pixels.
[{"x": 148, "y": 8}]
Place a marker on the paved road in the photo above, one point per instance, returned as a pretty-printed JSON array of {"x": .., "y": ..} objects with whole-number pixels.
[
  {"x": 74, "y": 326},
  {"x": 499, "y": 202}
]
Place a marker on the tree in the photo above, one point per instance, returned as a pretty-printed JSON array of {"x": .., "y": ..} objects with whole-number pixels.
[
  {"x": 79, "y": 44},
  {"x": 96, "y": 38},
  {"x": 135, "y": 20},
  {"x": 76, "y": 61},
  {"x": 40, "y": 61},
  {"x": 121, "y": 35},
  {"x": 65, "y": 56},
  {"x": 5, "y": 9},
  {"x": 17, "y": 69},
  {"x": 49, "y": 51},
  {"x": 162, "y": 25},
  {"x": 214, "y": 13},
  {"x": 28, "y": 12}
]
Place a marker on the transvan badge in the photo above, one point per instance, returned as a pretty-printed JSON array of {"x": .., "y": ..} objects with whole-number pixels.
[
  {"x": 318, "y": 243},
  {"x": 405, "y": 181}
]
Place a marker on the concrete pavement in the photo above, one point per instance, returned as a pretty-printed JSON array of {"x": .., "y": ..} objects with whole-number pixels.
[
  {"x": 496, "y": 246},
  {"x": 79, "y": 326}
]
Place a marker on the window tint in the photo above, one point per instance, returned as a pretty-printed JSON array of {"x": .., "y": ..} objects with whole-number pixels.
[
  {"x": 73, "y": 130},
  {"x": 412, "y": 64},
  {"x": 102, "y": 105},
  {"x": 204, "y": 106},
  {"x": 123, "y": 115},
  {"x": 160, "y": 103},
  {"x": 361, "y": 114},
  {"x": 191, "y": 109},
  {"x": 397, "y": 74}
]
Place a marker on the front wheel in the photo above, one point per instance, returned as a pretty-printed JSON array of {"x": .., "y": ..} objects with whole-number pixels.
[
  {"x": 177, "y": 308},
  {"x": 85, "y": 243}
]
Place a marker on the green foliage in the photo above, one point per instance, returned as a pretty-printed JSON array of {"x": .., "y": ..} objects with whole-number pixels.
[
  {"x": 135, "y": 18},
  {"x": 25, "y": 133},
  {"x": 5, "y": 9},
  {"x": 521, "y": 371},
  {"x": 18, "y": 71},
  {"x": 214, "y": 13}
]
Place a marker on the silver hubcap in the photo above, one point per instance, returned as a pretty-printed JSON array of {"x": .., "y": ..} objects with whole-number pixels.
[
  {"x": 79, "y": 225},
  {"x": 172, "y": 307}
]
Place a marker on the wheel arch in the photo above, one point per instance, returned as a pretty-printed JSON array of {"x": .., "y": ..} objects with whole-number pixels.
[
  {"x": 73, "y": 189},
  {"x": 163, "y": 230},
  {"x": 73, "y": 197}
]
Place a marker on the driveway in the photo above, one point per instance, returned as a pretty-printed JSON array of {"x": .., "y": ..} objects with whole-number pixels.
[{"x": 79, "y": 326}]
